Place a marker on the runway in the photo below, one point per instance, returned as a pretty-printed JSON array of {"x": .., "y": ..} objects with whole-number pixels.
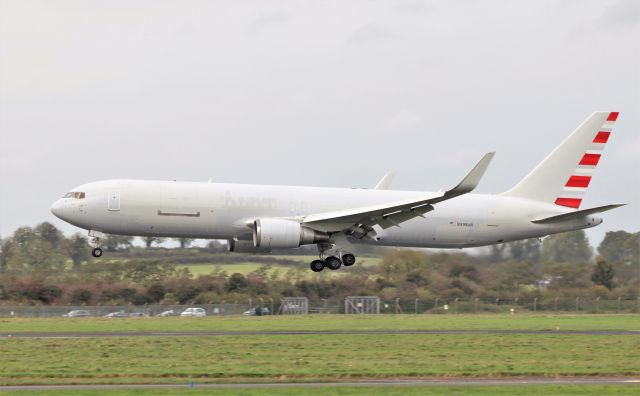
[
  {"x": 363, "y": 383},
  {"x": 98, "y": 334}
]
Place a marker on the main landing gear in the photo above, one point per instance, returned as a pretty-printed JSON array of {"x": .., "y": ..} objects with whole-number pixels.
[
  {"x": 333, "y": 262},
  {"x": 96, "y": 252}
]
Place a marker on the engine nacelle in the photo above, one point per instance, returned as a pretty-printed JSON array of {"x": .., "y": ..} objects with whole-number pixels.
[
  {"x": 240, "y": 246},
  {"x": 283, "y": 234}
]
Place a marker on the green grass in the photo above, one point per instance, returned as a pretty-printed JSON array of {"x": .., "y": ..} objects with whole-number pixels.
[
  {"x": 242, "y": 268},
  {"x": 287, "y": 358},
  {"x": 523, "y": 390},
  {"x": 303, "y": 358},
  {"x": 247, "y": 267},
  {"x": 330, "y": 322}
]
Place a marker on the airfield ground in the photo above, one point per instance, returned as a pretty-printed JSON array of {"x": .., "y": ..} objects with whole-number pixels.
[
  {"x": 247, "y": 350},
  {"x": 507, "y": 390}
]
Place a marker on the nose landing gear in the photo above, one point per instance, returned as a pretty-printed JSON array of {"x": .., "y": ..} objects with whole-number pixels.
[{"x": 94, "y": 241}]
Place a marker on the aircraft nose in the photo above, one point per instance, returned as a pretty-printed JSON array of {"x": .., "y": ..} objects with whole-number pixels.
[{"x": 57, "y": 209}]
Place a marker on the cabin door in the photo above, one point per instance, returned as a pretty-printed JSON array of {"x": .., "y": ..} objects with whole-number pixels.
[{"x": 113, "y": 200}]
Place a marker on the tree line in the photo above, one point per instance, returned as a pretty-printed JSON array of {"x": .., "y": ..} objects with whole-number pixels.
[{"x": 40, "y": 265}]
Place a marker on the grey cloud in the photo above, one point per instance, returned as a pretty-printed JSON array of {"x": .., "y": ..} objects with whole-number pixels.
[
  {"x": 413, "y": 7},
  {"x": 370, "y": 32},
  {"x": 403, "y": 120},
  {"x": 270, "y": 21},
  {"x": 620, "y": 14},
  {"x": 192, "y": 90}
]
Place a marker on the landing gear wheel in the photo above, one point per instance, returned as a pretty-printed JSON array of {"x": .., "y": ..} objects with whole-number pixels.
[
  {"x": 317, "y": 265},
  {"x": 333, "y": 263},
  {"x": 97, "y": 252},
  {"x": 348, "y": 259}
]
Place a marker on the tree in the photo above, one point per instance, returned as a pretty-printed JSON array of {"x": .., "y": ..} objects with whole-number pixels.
[
  {"x": 395, "y": 265},
  {"x": 603, "y": 274},
  {"x": 184, "y": 242},
  {"x": 497, "y": 252},
  {"x": 5, "y": 248},
  {"x": 237, "y": 282},
  {"x": 81, "y": 296},
  {"x": 117, "y": 242},
  {"x": 150, "y": 240},
  {"x": 525, "y": 250},
  {"x": 49, "y": 233},
  {"x": 78, "y": 250},
  {"x": 143, "y": 271},
  {"x": 156, "y": 292},
  {"x": 566, "y": 247},
  {"x": 512, "y": 275},
  {"x": 564, "y": 275},
  {"x": 28, "y": 251},
  {"x": 620, "y": 246},
  {"x": 217, "y": 247}
]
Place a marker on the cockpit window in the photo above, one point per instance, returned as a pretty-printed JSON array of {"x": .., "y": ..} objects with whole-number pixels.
[{"x": 74, "y": 194}]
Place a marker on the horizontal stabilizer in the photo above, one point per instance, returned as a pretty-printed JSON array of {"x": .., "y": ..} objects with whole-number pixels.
[{"x": 575, "y": 215}]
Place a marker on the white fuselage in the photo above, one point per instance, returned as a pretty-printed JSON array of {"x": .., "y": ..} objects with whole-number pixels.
[{"x": 223, "y": 211}]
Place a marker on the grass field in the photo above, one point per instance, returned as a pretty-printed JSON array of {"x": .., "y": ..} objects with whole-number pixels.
[
  {"x": 302, "y": 358},
  {"x": 528, "y": 390},
  {"x": 330, "y": 322},
  {"x": 312, "y": 358},
  {"x": 247, "y": 267}
]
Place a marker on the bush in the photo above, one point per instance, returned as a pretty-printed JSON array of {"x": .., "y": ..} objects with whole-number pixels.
[
  {"x": 155, "y": 292},
  {"x": 81, "y": 296}
]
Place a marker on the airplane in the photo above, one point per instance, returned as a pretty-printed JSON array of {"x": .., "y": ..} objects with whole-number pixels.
[{"x": 260, "y": 218}]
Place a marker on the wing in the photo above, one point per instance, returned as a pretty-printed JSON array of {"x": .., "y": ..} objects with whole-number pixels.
[{"x": 392, "y": 214}]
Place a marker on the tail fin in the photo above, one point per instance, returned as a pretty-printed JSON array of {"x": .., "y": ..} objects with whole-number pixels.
[{"x": 563, "y": 177}]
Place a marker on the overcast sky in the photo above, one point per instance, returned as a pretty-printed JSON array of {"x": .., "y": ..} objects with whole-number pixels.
[{"x": 322, "y": 93}]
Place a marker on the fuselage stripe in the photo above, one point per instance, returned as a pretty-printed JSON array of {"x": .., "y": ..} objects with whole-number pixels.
[
  {"x": 569, "y": 202},
  {"x": 602, "y": 137},
  {"x": 578, "y": 181},
  {"x": 590, "y": 159}
]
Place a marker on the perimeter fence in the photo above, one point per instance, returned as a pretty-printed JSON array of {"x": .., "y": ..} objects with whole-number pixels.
[{"x": 433, "y": 306}]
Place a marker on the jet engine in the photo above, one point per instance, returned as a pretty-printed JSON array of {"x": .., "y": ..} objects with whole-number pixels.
[
  {"x": 283, "y": 234},
  {"x": 240, "y": 246}
]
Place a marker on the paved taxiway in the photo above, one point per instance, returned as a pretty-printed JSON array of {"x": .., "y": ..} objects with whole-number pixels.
[
  {"x": 378, "y": 383},
  {"x": 78, "y": 334}
]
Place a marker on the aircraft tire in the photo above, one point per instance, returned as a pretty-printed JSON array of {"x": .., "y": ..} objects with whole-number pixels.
[
  {"x": 348, "y": 259},
  {"x": 333, "y": 263},
  {"x": 97, "y": 252},
  {"x": 316, "y": 265}
]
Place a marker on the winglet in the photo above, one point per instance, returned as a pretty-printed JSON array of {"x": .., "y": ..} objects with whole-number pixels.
[
  {"x": 472, "y": 179},
  {"x": 385, "y": 182}
]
